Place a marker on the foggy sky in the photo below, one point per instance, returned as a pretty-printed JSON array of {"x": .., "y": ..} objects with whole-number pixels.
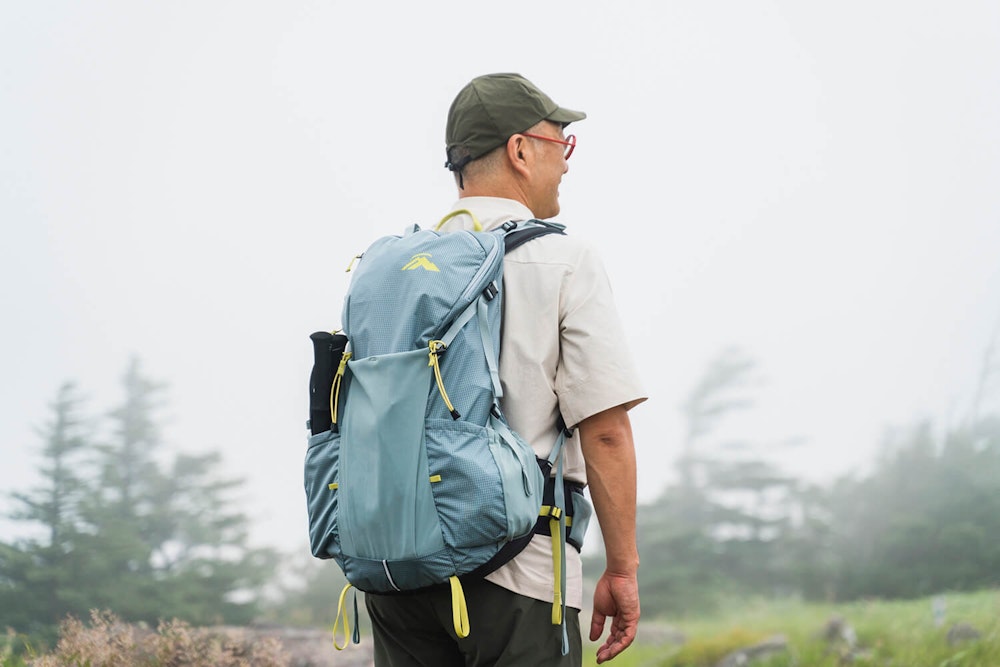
[{"x": 815, "y": 183}]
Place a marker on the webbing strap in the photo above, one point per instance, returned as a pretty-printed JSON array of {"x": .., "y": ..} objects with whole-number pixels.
[
  {"x": 549, "y": 510},
  {"x": 357, "y": 626},
  {"x": 459, "y": 611},
  {"x": 484, "y": 332},
  {"x": 557, "y": 526},
  {"x": 347, "y": 624},
  {"x": 556, "y": 565},
  {"x": 557, "y": 447},
  {"x": 508, "y": 437},
  {"x": 459, "y": 322}
]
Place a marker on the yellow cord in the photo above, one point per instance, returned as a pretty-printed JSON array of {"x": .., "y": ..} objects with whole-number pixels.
[
  {"x": 435, "y": 347},
  {"x": 347, "y": 623},
  {"x": 475, "y": 223},
  {"x": 335, "y": 390},
  {"x": 459, "y": 612},
  {"x": 556, "y": 565}
]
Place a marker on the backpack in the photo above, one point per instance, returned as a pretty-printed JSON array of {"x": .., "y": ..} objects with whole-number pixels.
[{"x": 413, "y": 477}]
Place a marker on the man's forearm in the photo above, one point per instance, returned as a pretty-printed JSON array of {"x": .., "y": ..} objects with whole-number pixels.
[{"x": 609, "y": 452}]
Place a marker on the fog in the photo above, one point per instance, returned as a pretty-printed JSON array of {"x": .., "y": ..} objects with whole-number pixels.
[{"x": 185, "y": 182}]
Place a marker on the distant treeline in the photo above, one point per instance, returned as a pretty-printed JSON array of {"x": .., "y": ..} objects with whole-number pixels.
[
  {"x": 121, "y": 525},
  {"x": 924, "y": 520}
]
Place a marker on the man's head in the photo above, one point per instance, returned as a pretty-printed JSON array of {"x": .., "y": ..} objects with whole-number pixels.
[
  {"x": 491, "y": 108},
  {"x": 498, "y": 111}
]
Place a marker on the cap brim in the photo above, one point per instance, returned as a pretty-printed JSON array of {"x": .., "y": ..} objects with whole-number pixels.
[{"x": 565, "y": 116}]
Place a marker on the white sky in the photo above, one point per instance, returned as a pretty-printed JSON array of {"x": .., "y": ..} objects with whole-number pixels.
[{"x": 816, "y": 183}]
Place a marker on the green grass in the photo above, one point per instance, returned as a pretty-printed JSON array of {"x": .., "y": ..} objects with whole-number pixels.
[{"x": 898, "y": 633}]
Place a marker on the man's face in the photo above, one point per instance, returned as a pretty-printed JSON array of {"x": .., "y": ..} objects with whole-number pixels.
[{"x": 550, "y": 165}]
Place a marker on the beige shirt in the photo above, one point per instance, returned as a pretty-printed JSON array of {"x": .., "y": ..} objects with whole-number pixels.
[{"x": 562, "y": 349}]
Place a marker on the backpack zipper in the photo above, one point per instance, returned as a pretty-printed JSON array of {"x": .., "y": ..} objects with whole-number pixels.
[
  {"x": 335, "y": 391},
  {"x": 437, "y": 348}
]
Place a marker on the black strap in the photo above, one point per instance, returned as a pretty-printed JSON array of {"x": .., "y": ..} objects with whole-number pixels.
[
  {"x": 542, "y": 524},
  {"x": 522, "y": 236}
]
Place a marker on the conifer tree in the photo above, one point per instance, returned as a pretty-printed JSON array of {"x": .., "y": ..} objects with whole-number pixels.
[
  {"x": 125, "y": 527},
  {"x": 170, "y": 543},
  {"x": 127, "y": 511},
  {"x": 37, "y": 574}
]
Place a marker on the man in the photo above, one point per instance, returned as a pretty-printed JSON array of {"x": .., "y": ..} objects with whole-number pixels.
[{"x": 562, "y": 354}]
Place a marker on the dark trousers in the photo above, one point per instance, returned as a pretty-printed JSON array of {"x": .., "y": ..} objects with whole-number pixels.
[{"x": 505, "y": 630}]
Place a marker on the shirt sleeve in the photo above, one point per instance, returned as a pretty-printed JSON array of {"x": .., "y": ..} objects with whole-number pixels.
[{"x": 596, "y": 370}]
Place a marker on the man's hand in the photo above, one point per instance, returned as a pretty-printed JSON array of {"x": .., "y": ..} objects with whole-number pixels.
[
  {"x": 606, "y": 439},
  {"x": 617, "y": 597}
]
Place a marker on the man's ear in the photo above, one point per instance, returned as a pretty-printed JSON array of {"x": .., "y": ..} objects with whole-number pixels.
[{"x": 519, "y": 154}]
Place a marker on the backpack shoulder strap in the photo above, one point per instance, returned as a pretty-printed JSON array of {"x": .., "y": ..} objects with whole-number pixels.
[{"x": 531, "y": 229}]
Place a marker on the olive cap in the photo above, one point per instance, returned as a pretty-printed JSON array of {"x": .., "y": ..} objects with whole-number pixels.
[{"x": 493, "y": 107}]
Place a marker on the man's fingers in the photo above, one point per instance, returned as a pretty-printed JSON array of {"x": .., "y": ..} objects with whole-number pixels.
[
  {"x": 619, "y": 640},
  {"x": 597, "y": 620}
]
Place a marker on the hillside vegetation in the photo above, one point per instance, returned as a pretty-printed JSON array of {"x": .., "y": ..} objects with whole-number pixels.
[{"x": 927, "y": 632}]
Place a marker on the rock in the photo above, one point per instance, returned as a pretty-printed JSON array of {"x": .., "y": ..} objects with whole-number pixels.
[
  {"x": 745, "y": 656},
  {"x": 837, "y": 629},
  {"x": 962, "y": 632}
]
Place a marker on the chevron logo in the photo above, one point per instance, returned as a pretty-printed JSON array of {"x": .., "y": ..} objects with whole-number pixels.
[{"x": 420, "y": 261}]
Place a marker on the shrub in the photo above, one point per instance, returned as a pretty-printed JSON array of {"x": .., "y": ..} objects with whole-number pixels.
[{"x": 108, "y": 642}]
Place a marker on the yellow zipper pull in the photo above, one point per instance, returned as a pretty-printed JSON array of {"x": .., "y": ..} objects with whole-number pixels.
[
  {"x": 353, "y": 260},
  {"x": 436, "y": 348},
  {"x": 335, "y": 391}
]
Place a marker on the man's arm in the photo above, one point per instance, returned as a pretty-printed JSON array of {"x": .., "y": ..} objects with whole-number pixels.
[{"x": 609, "y": 452}]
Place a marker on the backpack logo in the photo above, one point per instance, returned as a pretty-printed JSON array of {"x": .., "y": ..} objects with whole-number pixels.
[{"x": 420, "y": 261}]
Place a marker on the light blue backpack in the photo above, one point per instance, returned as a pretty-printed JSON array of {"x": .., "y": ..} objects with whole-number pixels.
[{"x": 420, "y": 480}]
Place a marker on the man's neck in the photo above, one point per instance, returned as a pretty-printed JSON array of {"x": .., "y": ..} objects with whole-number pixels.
[{"x": 502, "y": 191}]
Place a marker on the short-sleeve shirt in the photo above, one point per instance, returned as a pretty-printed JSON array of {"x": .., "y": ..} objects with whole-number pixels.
[{"x": 562, "y": 350}]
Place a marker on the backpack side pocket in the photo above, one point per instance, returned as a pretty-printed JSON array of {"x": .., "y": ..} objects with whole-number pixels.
[
  {"x": 321, "y": 477},
  {"x": 521, "y": 478},
  {"x": 583, "y": 510}
]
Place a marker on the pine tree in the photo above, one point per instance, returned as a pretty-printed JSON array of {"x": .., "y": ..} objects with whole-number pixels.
[
  {"x": 127, "y": 511},
  {"x": 168, "y": 542},
  {"x": 129, "y": 528},
  {"x": 37, "y": 574}
]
